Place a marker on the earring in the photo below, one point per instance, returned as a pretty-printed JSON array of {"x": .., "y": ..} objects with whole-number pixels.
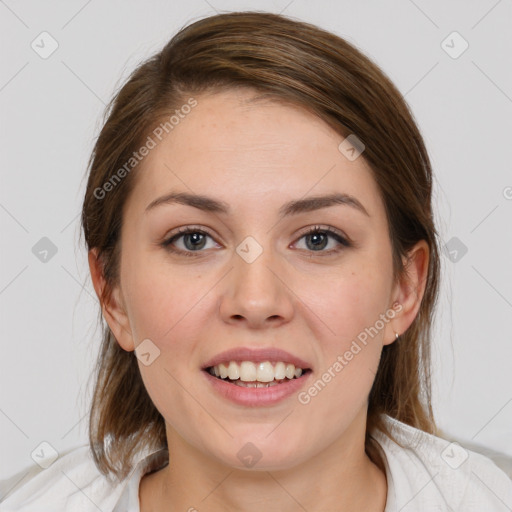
[{"x": 396, "y": 335}]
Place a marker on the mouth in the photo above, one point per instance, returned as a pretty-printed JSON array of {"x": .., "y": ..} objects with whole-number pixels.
[
  {"x": 260, "y": 374},
  {"x": 256, "y": 377}
]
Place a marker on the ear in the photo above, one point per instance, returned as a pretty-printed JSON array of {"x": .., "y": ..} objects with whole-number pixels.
[
  {"x": 408, "y": 293},
  {"x": 113, "y": 310}
]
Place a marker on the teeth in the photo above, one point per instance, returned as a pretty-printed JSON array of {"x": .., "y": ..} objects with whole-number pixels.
[
  {"x": 279, "y": 370},
  {"x": 233, "y": 371},
  {"x": 251, "y": 374},
  {"x": 223, "y": 371},
  {"x": 255, "y": 384},
  {"x": 248, "y": 371},
  {"x": 264, "y": 372}
]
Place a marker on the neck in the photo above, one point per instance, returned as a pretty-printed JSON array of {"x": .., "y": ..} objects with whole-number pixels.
[{"x": 341, "y": 477}]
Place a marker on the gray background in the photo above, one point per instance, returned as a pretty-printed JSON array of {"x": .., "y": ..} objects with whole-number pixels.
[{"x": 51, "y": 112}]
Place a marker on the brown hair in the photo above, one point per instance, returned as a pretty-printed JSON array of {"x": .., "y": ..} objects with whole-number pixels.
[{"x": 294, "y": 62}]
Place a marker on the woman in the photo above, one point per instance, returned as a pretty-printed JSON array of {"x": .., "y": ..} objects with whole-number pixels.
[{"x": 259, "y": 223}]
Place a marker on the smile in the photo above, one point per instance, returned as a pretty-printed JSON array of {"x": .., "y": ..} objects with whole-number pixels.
[{"x": 256, "y": 375}]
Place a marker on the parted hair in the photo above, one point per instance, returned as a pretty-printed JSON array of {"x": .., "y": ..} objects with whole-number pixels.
[{"x": 294, "y": 62}]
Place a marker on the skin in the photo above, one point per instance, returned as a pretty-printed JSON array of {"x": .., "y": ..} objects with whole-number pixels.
[{"x": 255, "y": 157}]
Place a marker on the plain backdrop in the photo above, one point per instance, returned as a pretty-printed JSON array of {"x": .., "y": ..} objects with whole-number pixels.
[{"x": 459, "y": 87}]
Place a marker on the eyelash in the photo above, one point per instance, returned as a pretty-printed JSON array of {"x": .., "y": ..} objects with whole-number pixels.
[{"x": 167, "y": 244}]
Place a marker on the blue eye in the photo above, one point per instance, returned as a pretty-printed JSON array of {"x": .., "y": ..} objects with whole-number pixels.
[
  {"x": 193, "y": 239},
  {"x": 317, "y": 239}
]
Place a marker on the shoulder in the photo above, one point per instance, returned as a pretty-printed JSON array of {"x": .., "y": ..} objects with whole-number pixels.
[
  {"x": 430, "y": 473},
  {"x": 72, "y": 482}
]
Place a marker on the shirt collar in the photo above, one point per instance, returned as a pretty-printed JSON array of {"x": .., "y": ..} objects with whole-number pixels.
[{"x": 150, "y": 460}]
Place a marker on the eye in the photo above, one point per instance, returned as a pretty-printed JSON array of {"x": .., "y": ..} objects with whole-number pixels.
[
  {"x": 194, "y": 240},
  {"x": 317, "y": 239}
]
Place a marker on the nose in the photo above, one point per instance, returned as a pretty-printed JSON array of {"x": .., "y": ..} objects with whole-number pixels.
[{"x": 257, "y": 293}]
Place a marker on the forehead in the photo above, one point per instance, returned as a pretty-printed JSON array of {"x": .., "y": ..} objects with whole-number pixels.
[{"x": 261, "y": 150}]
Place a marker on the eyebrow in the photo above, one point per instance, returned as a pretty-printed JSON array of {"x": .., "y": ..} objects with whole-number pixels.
[{"x": 209, "y": 204}]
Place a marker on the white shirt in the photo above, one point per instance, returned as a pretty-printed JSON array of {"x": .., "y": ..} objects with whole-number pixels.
[{"x": 428, "y": 474}]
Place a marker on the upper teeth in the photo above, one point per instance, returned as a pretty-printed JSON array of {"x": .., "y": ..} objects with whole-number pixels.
[{"x": 248, "y": 371}]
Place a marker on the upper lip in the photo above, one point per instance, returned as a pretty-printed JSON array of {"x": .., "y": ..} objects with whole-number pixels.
[{"x": 271, "y": 354}]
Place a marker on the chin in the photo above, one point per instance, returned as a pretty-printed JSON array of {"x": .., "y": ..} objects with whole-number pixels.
[{"x": 253, "y": 453}]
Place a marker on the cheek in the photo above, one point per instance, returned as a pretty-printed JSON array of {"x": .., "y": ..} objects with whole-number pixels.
[
  {"x": 342, "y": 305},
  {"x": 170, "y": 310},
  {"x": 172, "y": 319},
  {"x": 161, "y": 303},
  {"x": 350, "y": 330}
]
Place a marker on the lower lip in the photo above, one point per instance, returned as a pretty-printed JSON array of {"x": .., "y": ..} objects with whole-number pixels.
[{"x": 257, "y": 397}]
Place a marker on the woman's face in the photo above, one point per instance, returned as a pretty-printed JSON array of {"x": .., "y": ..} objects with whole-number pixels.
[{"x": 250, "y": 277}]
